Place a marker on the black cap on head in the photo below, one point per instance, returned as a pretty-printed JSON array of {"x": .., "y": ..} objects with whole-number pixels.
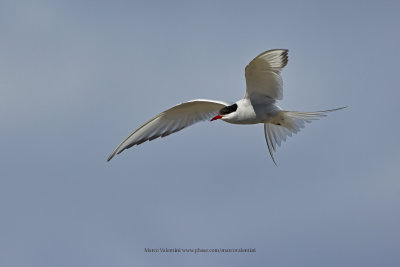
[{"x": 228, "y": 109}]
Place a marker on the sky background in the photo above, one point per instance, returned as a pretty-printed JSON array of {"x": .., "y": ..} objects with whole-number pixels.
[{"x": 76, "y": 77}]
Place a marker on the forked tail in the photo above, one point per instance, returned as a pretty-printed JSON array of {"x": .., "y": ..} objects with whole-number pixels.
[{"x": 285, "y": 123}]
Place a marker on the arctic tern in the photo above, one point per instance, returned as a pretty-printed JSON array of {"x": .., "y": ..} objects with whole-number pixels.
[{"x": 263, "y": 88}]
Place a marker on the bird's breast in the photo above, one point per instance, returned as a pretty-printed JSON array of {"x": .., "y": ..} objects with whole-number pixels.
[{"x": 247, "y": 113}]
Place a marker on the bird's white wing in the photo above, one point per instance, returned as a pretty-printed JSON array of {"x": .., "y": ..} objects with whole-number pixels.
[
  {"x": 171, "y": 121},
  {"x": 263, "y": 79}
]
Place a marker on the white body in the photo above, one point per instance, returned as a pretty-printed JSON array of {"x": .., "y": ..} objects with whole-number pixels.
[
  {"x": 250, "y": 113},
  {"x": 263, "y": 87}
]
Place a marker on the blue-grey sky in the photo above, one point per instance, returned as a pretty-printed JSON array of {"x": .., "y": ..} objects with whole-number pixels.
[{"x": 76, "y": 77}]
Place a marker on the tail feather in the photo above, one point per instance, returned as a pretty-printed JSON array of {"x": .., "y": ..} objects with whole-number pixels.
[{"x": 285, "y": 123}]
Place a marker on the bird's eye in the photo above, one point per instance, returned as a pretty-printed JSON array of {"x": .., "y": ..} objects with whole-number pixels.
[{"x": 228, "y": 109}]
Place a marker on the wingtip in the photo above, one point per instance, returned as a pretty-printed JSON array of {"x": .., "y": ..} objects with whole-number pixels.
[
  {"x": 111, "y": 156},
  {"x": 274, "y": 162},
  {"x": 273, "y": 158},
  {"x": 267, "y": 138}
]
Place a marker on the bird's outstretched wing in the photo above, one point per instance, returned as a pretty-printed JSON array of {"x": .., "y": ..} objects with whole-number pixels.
[
  {"x": 171, "y": 121},
  {"x": 263, "y": 79}
]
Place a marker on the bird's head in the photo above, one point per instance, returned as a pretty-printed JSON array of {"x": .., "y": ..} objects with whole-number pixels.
[{"x": 225, "y": 112}]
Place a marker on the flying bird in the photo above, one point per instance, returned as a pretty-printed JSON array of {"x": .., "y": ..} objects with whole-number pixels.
[{"x": 263, "y": 89}]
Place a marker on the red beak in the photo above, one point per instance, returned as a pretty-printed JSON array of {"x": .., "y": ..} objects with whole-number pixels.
[{"x": 216, "y": 118}]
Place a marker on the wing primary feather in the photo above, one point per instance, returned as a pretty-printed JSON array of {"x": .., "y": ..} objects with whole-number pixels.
[
  {"x": 269, "y": 143},
  {"x": 271, "y": 138}
]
